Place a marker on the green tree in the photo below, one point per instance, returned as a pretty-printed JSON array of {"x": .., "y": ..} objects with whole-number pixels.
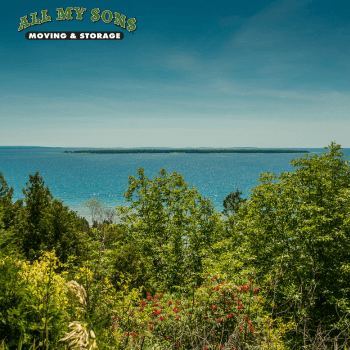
[
  {"x": 298, "y": 224},
  {"x": 46, "y": 224},
  {"x": 34, "y": 225},
  {"x": 233, "y": 202},
  {"x": 64, "y": 232},
  {"x": 5, "y": 192},
  {"x": 171, "y": 224},
  {"x": 127, "y": 260},
  {"x": 9, "y": 210}
]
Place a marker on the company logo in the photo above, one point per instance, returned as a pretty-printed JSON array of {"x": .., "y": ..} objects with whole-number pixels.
[{"x": 77, "y": 13}]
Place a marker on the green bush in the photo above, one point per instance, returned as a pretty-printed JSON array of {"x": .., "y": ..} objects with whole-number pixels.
[{"x": 33, "y": 302}]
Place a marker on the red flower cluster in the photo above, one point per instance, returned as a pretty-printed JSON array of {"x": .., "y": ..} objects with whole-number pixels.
[
  {"x": 218, "y": 299},
  {"x": 244, "y": 288},
  {"x": 156, "y": 312},
  {"x": 133, "y": 334}
]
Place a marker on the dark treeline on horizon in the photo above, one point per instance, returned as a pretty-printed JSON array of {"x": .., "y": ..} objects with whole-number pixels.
[{"x": 112, "y": 151}]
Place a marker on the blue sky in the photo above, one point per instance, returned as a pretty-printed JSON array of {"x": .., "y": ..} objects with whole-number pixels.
[{"x": 194, "y": 74}]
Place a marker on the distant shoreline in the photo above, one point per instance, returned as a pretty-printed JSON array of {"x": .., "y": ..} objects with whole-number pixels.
[{"x": 119, "y": 151}]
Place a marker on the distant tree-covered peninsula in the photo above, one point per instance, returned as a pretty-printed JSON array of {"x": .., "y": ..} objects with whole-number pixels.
[{"x": 189, "y": 150}]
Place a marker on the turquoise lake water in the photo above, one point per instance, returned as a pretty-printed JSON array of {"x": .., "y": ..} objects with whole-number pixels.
[{"x": 76, "y": 177}]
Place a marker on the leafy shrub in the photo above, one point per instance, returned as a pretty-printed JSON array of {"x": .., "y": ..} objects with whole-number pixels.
[
  {"x": 34, "y": 301},
  {"x": 215, "y": 314}
]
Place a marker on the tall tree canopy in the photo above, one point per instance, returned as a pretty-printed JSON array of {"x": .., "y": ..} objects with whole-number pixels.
[
  {"x": 45, "y": 223},
  {"x": 171, "y": 224},
  {"x": 299, "y": 223}
]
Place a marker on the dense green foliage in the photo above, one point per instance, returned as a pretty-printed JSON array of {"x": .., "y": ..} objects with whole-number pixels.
[
  {"x": 171, "y": 225},
  {"x": 300, "y": 224},
  {"x": 272, "y": 273},
  {"x": 44, "y": 223}
]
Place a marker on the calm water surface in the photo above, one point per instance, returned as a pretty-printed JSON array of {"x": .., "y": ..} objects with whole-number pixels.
[{"x": 76, "y": 177}]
